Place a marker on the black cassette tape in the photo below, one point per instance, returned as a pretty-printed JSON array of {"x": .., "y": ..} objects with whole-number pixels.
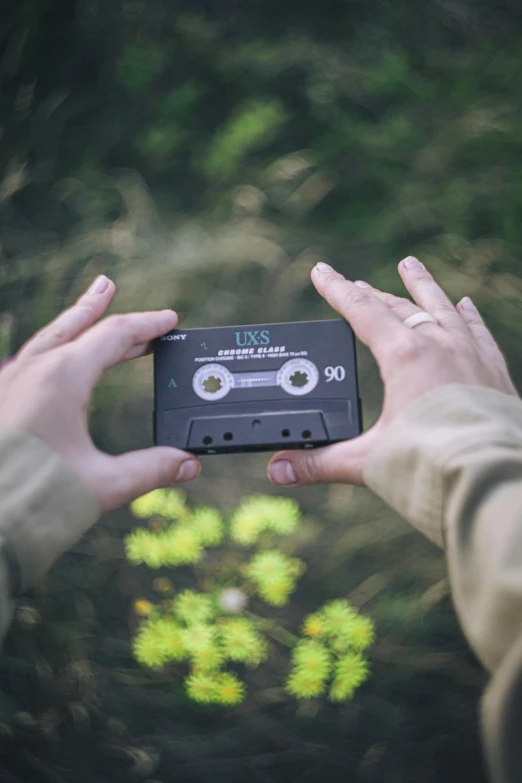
[{"x": 256, "y": 388}]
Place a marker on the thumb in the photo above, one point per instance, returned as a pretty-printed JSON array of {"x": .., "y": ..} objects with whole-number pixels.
[
  {"x": 138, "y": 472},
  {"x": 340, "y": 463}
]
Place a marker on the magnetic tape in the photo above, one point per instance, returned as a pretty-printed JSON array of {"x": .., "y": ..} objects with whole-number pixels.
[{"x": 256, "y": 388}]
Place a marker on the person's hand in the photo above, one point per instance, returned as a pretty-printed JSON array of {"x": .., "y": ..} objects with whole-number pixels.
[
  {"x": 457, "y": 349},
  {"x": 46, "y": 389}
]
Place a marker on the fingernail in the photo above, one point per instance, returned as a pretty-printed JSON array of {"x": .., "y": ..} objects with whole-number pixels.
[
  {"x": 100, "y": 285},
  {"x": 323, "y": 268},
  {"x": 188, "y": 470},
  {"x": 468, "y": 305},
  {"x": 362, "y": 284},
  {"x": 282, "y": 472},
  {"x": 411, "y": 263}
]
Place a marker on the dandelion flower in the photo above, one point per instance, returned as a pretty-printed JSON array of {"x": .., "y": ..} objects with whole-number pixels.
[
  {"x": 349, "y": 673},
  {"x": 170, "y": 635},
  {"x": 337, "y": 615},
  {"x": 271, "y": 566},
  {"x": 277, "y": 592},
  {"x": 166, "y": 503},
  {"x": 240, "y": 641},
  {"x": 143, "y": 607},
  {"x": 313, "y": 625},
  {"x": 304, "y": 685},
  {"x": 146, "y": 505},
  {"x": 312, "y": 657},
  {"x": 201, "y": 687},
  {"x": 208, "y": 525},
  {"x": 184, "y": 546},
  {"x": 137, "y": 544},
  {"x": 193, "y": 607},
  {"x": 264, "y": 512},
  {"x": 207, "y": 658},
  {"x": 148, "y": 648},
  {"x": 199, "y": 637},
  {"x": 357, "y": 635},
  {"x": 229, "y": 689}
]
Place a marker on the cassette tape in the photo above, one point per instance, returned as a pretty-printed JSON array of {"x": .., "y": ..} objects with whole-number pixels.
[{"x": 256, "y": 388}]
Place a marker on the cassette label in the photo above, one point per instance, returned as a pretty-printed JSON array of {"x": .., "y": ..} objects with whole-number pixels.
[{"x": 256, "y": 388}]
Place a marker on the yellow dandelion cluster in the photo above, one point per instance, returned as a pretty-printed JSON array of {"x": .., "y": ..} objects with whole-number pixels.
[
  {"x": 261, "y": 513},
  {"x": 337, "y": 637},
  {"x": 193, "y": 632},
  {"x": 275, "y": 575},
  {"x": 215, "y": 688}
]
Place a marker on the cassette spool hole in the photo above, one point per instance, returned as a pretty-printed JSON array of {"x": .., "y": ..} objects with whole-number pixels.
[
  {"x": 285, "y": 433},
  {"x": 207, "y": 440},
  {"x": 228, "y": 436},
  {"x": 299, "y": 379},
  {"x": 212, "y": 384},
  {"x": 306, "y": 434}
]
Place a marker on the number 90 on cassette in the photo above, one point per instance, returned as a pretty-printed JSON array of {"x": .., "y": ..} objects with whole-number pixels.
[{"x": 256, "y": 388}]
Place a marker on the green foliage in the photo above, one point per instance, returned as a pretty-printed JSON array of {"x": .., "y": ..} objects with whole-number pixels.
[
  {"x": 253, "y": 126},
  {"x": 140, "y": 63},
  {"x": 193, "y": 628}
]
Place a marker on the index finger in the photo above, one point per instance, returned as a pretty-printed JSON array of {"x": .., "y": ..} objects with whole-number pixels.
[
  {"x": 118, "y": 338},
  {"x": 372, "y": 321}
]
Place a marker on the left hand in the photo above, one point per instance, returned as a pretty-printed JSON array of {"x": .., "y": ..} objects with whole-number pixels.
[{"x": 46, "y": 389}]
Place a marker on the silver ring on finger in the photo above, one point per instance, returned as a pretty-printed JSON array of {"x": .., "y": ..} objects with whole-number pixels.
[{"x": 419, "y": 318}]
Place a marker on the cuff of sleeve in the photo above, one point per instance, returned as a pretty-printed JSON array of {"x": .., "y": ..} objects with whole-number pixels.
[
  {"x": 406, "y": 464},
  {"x": 44, "y": 506}
]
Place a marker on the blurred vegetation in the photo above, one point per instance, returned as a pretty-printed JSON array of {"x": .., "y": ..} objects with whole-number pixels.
[
  {"x": 206, "y": 155},
  {"x": 223, "y": 620}
]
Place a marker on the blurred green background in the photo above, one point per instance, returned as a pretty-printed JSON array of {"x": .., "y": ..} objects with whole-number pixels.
[{"x": 205, "y": 155}]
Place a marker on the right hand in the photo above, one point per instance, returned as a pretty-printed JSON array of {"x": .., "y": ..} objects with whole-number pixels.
[{"x": 458, "y": 349}]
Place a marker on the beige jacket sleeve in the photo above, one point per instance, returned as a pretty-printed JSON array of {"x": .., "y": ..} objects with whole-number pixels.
[
  {"x": 44, "y": 509},
  {"x": 451, "y": 463}
]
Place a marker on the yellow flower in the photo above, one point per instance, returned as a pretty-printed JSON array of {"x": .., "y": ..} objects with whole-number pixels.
[
  {"x": 167, "y": 503},
  {"x": 184, "y": 546},
  {"x": 311, "y": 657},
  {"x": 143, "y": 607},
  {"x": 207, "y": 658},
  {"x": 199, "y": 637},
  {"x": 208, "y": 525},
  {"x": 263, "y": 512},
  {"x": 201, "y": 687},
  {"x": 276, "y": 593},
  {"x": 171, "y": 635},
  {"x": 230, "y": 690},
  {"x": 313, "y": 625},
  {"x": 193, "y": 607},
  {"x": 304, "y": 685},
  {"x": 362, "y": 633},
  {"x": 148, "y": 648},
  {"x": 349, "y": 673},
  {"x": 241, "y": 642}
]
